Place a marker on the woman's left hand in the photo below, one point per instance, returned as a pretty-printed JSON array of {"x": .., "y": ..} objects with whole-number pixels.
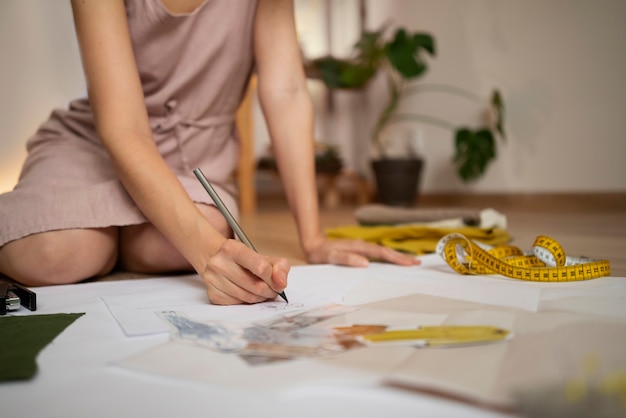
[{"x": 355, "y": 253}]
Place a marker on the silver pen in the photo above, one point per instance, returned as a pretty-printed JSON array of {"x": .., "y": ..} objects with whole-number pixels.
[{"x": 226, "y": 213}]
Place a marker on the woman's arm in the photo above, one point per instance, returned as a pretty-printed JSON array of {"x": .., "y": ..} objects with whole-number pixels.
[
  {"x": 288, "y": 110},
  {"x": 230, "y": 269}
]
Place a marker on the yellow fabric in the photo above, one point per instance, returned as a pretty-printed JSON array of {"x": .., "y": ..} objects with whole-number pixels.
[{"x": 416, "y": 239}]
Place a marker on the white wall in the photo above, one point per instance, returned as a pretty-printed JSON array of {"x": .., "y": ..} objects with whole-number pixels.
[
  {"x": 39, "y": 69},
  {"x": 560, "y": 64}
]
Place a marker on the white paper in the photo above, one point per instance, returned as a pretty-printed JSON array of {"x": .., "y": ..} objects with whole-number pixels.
[
  {"x": 434, "y": 277},
  {"x": 308, "y": 287},
  {"x": 189, "y": 362}
]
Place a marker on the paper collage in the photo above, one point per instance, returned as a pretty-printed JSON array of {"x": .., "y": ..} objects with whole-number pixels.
[
  {"x": 322, "y": 336},
  {"x": 287, "y": 337}
]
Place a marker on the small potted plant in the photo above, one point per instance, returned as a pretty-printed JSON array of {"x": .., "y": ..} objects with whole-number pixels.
[{"x": 403, "y": 60}]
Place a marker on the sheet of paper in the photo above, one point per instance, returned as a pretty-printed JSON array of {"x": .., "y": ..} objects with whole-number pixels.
[
  {"x": 603, "y": 304},
  {"x": 179, "y": 360},
  {"x": 309, "y": 287},
  {"x": 548, "y": 348},
  {"x": 435, "y": 278}
]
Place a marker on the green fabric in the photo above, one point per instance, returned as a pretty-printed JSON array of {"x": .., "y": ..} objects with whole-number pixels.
[
  {"x": 23, "y": 337},
  {"x": 416, "y": 239}
]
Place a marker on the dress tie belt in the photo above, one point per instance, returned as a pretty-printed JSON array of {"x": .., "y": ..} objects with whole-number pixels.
[{"x": 173, "y": 121}]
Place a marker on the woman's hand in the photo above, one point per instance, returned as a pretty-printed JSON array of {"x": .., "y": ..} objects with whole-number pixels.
[
  {"x": 355, "y": 253},
  {"x": 237, "y": 274}
]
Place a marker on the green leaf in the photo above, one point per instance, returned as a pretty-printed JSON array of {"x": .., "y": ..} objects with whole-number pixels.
[
  {"x": 474, "y": 151},
  {"x": 337, "y": 73},
  {"x": 405, "y": 53},
  {"x": 355, "y": 76},
  {"x": 369, "y": 49},
  {"x": 425, "y": 41},
  {"x": 330, "y": 70},
  {"x": 498, "y": 103}
]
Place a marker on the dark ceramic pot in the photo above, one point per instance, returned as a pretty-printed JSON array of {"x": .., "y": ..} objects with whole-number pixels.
[{"x": 397, "y": 180}]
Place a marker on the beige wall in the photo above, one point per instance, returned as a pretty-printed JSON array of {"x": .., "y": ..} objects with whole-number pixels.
[
  {"x": 39, "y": 70},
  {"x": 560, "y": 64}
]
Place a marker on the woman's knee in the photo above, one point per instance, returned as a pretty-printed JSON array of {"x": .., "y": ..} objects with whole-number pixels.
[
  {"x": 144, "y": 249},
  {"x": 60, "y": 257}
]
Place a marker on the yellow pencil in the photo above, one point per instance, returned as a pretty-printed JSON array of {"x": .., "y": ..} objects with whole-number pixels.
[{"x": 444, "y": 335}]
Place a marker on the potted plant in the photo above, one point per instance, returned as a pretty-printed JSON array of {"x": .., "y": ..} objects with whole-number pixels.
[{"x": 403, "y": 60}]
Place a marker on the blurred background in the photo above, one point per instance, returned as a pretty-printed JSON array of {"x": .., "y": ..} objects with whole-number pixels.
[{"x": 560, "y": 65}]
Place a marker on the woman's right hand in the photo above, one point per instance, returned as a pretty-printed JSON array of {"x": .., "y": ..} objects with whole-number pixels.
[{"x": 237, "y": 274}]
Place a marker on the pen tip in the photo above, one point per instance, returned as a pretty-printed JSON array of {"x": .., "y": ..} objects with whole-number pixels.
[{"x": 282, "y": 295}]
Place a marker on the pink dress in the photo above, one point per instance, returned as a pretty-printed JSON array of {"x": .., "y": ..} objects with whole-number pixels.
[{"x": 194, "y": 69}]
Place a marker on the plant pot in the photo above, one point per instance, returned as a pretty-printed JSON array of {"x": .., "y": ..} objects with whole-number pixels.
[{"x": 397, "y": 180}]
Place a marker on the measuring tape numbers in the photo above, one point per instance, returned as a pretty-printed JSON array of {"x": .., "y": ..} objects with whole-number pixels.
[{"x": 546, "y": 263}]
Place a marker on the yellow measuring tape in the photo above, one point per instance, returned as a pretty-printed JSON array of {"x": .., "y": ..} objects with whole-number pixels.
[{"x": 546, "y": 263}]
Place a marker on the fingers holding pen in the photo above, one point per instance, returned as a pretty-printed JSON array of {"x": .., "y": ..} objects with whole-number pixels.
[
  {"x": 238, "y": 274},
  {"x": 257, "y": 274},
  {"x": 280, "y": 272}
]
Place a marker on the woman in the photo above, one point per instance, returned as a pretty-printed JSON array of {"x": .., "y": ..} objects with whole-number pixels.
[{"x": 108, "y": 182}]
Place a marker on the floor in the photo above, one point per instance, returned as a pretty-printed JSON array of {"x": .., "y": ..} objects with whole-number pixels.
[{"x": 591, "y": 225}]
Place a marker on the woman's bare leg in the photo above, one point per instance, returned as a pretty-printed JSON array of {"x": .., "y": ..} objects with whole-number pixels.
[
  {"x": 144, "y": 249},
  {"x": 60, "y": 257}
]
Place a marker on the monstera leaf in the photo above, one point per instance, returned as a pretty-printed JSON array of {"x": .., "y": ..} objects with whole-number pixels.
[
  {"x": 405, "y": 52},
  {"x": 474, "y": 151}
]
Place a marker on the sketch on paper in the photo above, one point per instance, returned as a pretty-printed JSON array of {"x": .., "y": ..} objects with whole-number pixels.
[
  {"x": 299, "y": 320},
  {"x": 280, "y": 306},
  {"x": 286, "y": 337},
  {"x": 216, "y": 335}
]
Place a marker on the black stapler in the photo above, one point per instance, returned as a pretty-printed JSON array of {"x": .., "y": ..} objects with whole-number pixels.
[{"x": 12, "y": 295}]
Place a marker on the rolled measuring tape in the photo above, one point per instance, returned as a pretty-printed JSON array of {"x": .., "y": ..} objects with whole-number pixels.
[{"x": 547, "y": 261}]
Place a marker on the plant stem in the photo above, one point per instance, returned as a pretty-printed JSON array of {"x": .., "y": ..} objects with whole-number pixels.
[
  {"x": 443, "y": 88},
  {"x": 395, "y": 88},
  {"x": 403, "y": 117},
  {"x": 398, "y": 93}
]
